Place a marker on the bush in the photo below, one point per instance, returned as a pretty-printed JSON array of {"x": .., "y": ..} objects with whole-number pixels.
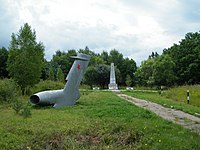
[
  {"x": 47, "y": 85},
  {"x": 26, "y": 112},
  {"x": 8, "y": 90},
  {"x": 17, "y": 106},
  {"x": 21, "y": 109}
]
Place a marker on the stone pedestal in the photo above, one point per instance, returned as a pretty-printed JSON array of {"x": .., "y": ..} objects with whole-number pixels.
[{"x": 112, "y": 87}]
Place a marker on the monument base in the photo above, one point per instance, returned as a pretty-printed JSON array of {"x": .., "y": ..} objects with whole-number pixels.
[{"x": 112, "y": 86}]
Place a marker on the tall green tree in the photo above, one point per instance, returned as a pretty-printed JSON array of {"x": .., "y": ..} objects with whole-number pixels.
[
  {"x": 186, "y": 56},
  {"x": 157, "y": 71},
  {"x": 45, "y": 70},
  {"x": 102, "y": 75},
  {"x": 144, "y": 73},
  {"x": 3, "y": 62},
  {"x": 59, "y": 75},
  {"x": 128, "y": 69},
  {"x": 105, "y": 56},
  {"x": 163, "y": 71},
  {"x": 51, "y": 74},
  {"x": 26, "y": 57},
  {"x": 90, "y": 76},
  {"x": 116, "y": 58},
  {"x": 128, "y": 80},
  {"x": 63, "y": 61}
]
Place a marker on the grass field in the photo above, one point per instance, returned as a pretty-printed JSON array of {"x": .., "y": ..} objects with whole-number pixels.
[
  {"x": 180, "y": 94},
  {"x": 166, "y": 101},
  {"x": 99, "y": 120}
]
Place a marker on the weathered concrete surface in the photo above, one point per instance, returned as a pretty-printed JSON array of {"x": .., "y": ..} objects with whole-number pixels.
[{"x": 176, "y": 116}]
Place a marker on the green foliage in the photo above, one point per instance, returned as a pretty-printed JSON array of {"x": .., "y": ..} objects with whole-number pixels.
[
  {"x": 128, "y": 67},
  {"x": 158, "y": 71},
  {"x": 123, "y": 66},
  {"x": 51, "y": 74},
  {"x": 85, "y": 87},
  {"x": 163, "y": 71},
  {"x": 8, "y": 90},
  {"x": 99, "y": 75},
  {"x": 21, "y": 109},
  {"x": 105, "y": 56},
  {"x": 102, "y": 75},
  {"x": 26, "y": 112},
  {"x": 17, "y": 106},
  {"x": 47, "y": 85},
  {"x": 45, "y": 70},
  {"x": 179, "y": 64},
  {"x": 60, "y": 75},
  {"x": 25, "y": 59},
  {"x": 89, "y": 77},
  {"x": 145, "y": 72},
  {"x": 63, "y": 60},
  {"x": 117, "y": 58},
  {"x": 128, "y": 80},
  {"x": 153, "y": 55},
  {"x": 3, "y": 62},
  {"x": 186, "y": 56},
  {"x": 92, "y": 55}
]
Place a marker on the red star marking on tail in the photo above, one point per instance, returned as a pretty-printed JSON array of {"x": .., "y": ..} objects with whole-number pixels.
[{"x": 79, "y": 67}]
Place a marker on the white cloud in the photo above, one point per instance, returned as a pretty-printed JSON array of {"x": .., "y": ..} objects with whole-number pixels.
[{"x": 135, "y": 28}]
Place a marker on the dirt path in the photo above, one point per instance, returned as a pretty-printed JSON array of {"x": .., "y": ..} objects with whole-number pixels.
[{"x": 176, "y": 116}]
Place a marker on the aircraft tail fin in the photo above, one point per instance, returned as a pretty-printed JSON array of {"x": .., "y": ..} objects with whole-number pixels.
[{"x": 76, "y": 72}]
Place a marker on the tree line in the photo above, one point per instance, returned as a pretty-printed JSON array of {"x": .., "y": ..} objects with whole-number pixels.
[
  {"x": 177, "y": 65},
  {"x": 24, "y": 62},
  {"x": 98, "y": 71}
]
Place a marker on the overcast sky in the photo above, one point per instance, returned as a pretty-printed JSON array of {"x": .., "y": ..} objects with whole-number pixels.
[{"x": 134, "y": 27}]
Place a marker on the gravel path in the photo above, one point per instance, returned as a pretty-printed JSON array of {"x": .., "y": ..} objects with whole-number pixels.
[{"x": 176, "y": 116}]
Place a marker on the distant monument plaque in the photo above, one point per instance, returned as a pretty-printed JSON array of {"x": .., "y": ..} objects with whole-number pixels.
[{"x": 112, "y": 85}]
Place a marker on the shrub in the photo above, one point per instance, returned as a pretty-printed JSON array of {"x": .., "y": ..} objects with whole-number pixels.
[
  {"x": 8, "y": 90},
  {"x": 47, "y": 85},
  {"x": 21, "y": 109},
  {"x": 17, "y": 106},
  {"x": 26, "y": 112}
]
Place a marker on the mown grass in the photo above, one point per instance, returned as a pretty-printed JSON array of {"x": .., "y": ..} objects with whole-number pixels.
[
  {"x": 99, "y": 120},
  {"x": 166, "y": 102}
]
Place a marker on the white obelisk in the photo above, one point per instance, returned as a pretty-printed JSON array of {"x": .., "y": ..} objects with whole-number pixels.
[{"x": 112, "y": 85}]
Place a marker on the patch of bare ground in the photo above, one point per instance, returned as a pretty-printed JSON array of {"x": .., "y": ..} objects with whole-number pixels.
[
  {"x": 120, "y": 138},
  {"x": 176, "y": 116}
]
